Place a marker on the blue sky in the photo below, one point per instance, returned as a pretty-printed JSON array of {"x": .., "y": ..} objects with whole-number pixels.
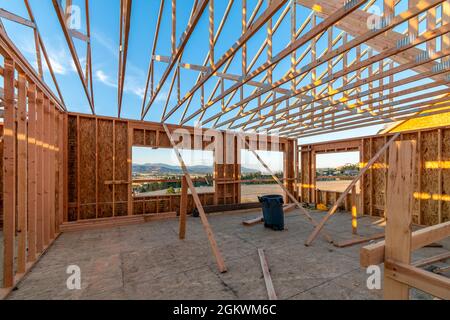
[{"x": 105, "y": 41}]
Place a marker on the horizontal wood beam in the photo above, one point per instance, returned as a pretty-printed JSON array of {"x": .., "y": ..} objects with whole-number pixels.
[
  {"x": 373, "y": 254},
  {"x": 15, "y": 18},
  {"x": 429, "y": 282},
  {"x": 356, "y": 25}
]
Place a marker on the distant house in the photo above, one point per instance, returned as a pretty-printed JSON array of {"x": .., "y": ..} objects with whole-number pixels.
[{"x": 351, "y": 172}]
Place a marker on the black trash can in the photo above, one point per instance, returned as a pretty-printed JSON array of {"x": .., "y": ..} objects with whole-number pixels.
[{"x": 272, "y": 206}]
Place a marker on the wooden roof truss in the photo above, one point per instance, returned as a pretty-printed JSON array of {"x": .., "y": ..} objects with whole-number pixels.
[{"x": 357, "y": 79}]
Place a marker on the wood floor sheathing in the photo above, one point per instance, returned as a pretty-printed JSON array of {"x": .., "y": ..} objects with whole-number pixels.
[{"x": 148, "y": 261}]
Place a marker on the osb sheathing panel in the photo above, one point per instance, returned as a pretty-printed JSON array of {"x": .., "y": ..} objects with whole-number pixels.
[
  {"x": 429, "y": 181},
  {"x": 150, "y": 138},
  {"x": 105, "y": 168},
  {"x": 87, "y": 149},
  {"x": 416, "y": 200},
  {"x": 164, "y": 141},
  {"x": 138, "y": 137},
  {"x": 121, "y": 167},
  {"x": 150, "y": 205},
  {"x": 72, "y": 160},
  {"x": 446, "y": 175},
  {"x": 138, "y": 207},
  {"x": 378, "y": 174}
]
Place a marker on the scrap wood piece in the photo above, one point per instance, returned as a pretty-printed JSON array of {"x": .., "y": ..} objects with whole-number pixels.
[
  {"x": 434, "y": 245},
  {"x": 252, "y": 222},
  {"x": 352, "y": 242},
  {"x": 442, "y": 270},
  {"x": 334, "y": 208},
  {"x": 374, "y": 253},
  {"x": 267, "y": 278},
  {"x": 289, "y": 207},
  {"x": 431, "y": 260},
  {"x": 212, "y": 241}
]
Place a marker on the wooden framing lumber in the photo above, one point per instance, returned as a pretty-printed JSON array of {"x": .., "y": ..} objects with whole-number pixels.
[
  {"x": 32, "y": 174},
  {"x": 84, "y": 81},
  {"x": 349, "y": 188},
  {"x": 267, "y": 278},
  {"x": 352, "y": 242},
  {"x": 39, "y": 44},
  {"x": 16, "y": 18},
  {"x": 7, "y": 47},
  {"x": 9, "y": 175},
  {"x": 125, "y": 20},
  {"x": 354, "y": 211},
  {"x": 176, "y": 55},
  {"x": 40, "y": 172},
  {"x": 400, "y": 191},
  {"x": 183, "y": 208},
  {"x": 263, "y": 18},
  {"x": 253, "y": 221},
  {"x": 356, "y": 23},
  {"x": 357, "y": 66},
  {"x": 409, "y": 276},
  {"x": 431, "y": 260},
  {"x": 21, "y": 175},
  {"x": 374, "y": 254},
  {"x": 5, "y": 291},
  {"x": 219, "y": 260},
  {"x": 113, "y": 222},
  {"x": 288, "y": 194}
]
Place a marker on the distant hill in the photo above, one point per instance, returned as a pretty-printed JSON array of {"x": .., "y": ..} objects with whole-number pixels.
[{"x": 161, "y": 169}]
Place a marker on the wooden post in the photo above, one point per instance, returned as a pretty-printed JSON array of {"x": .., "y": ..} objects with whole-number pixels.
[
  {"x": 399, "y": 208},
  {"x": 183, "y": 207},
  {"x": 32, "y": 186},
  {"x": 46, "y": 172},
  {"x": 51, "y": 170},
  {"x": 130, "y": 170},
  {"x": 198, "y": 204},
  {"x": 61, "y": 184},
  {"x": 9, "y": 175},
  {"x": 354, "y": 212},
  {"x": 22, "y": 174},
  {"x": 39, "y": 173}
]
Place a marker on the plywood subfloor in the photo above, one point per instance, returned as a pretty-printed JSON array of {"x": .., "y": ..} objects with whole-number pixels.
[{"x": 149, "y": 262}]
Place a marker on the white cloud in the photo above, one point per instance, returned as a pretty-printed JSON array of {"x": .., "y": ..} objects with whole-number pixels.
[
  {"x": 57, "y": 67},
  {"x": 103, "y": 78},
  {"x": 60, "y": 60},
  {"x": 131, "y": 83}
]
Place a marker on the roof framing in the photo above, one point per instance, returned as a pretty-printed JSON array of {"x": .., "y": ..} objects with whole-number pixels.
[{"x": 343, "y": 67}]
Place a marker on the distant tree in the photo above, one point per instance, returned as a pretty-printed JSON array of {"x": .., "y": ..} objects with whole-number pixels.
[
  {"x": 171, "y": 190},
  {"x": 349, "y": 166}
]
